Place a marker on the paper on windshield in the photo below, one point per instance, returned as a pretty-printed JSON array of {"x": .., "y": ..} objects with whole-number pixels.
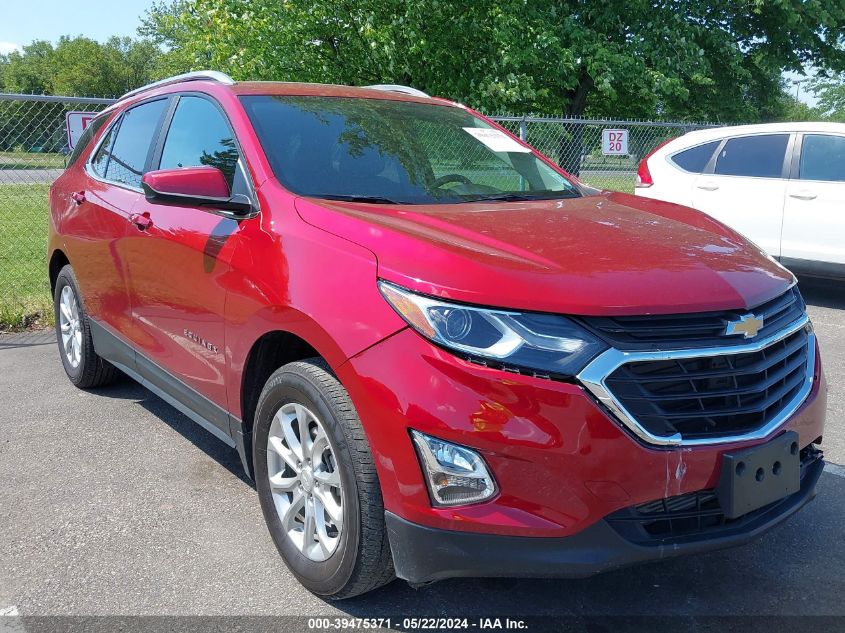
[{"x": 496, "y": 140}]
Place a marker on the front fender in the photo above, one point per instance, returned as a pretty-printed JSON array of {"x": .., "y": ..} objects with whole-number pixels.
[{"x": 305, "y": 281}]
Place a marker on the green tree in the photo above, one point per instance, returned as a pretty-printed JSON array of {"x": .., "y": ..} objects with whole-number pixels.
[
  {"x": 81, "y": 66},
  {"x": 712, "y": 59},
  {"x": 29, "y": 71},
  {"x": 831, "y": 95}
]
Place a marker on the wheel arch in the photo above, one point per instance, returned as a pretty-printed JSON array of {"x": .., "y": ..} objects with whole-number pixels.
[
  {"x": 270, "y": 351},
  {"x": 58, "y": 260}
]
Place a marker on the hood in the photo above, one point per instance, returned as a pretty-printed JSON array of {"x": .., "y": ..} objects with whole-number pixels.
[{"x": 603, "y": 255}]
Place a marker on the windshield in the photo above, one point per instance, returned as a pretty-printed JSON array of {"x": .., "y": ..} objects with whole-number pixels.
[{"x": 376, "y": 150}]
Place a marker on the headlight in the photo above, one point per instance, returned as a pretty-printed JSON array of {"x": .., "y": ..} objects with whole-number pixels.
[{"x": 547, "y": 344}]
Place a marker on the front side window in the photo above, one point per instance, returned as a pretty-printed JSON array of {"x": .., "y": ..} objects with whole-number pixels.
[
  {"x": 695, "y": 159},
  {"x": 200, "y": 135},
  {"x": 753, "y": 156},
  {"x": 394, "y": 151},
  {"x": 130, "y": 149},
  {"x": 822, "y": 158}
]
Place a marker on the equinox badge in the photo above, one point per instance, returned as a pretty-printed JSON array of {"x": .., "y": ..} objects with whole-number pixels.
[{"x": 748, "y": 325}]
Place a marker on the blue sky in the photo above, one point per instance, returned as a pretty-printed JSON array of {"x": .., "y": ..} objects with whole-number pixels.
[{"x": 26, "y": 20}]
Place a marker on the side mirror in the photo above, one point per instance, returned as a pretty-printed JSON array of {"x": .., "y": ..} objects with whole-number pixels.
[{"x": 193, "y": 187}]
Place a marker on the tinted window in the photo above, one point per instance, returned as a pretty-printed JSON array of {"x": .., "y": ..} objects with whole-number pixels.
[
  {"x": 822, "y": 158},
  {"x": 134, "y": 136},
  {"x": 412, "y": 153},
  {"x": 754, "y": 156},
  {"x": 85, "y": 139},
  {"x": 200, "y": 135},
  {"x": 695, "y": 159}
]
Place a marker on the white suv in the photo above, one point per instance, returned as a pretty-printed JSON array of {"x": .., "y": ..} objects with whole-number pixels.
[{"x": 782, "y": 185}]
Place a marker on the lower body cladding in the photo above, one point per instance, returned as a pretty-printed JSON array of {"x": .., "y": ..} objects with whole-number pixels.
[{"x": 577, "y": 493}]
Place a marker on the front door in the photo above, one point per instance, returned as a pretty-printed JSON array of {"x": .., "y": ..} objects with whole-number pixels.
[
  {"x": 178, "y": 264},
  {"x": 745, "y": 187}
]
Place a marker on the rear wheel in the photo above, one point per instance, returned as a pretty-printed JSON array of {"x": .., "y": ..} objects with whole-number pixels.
[
  {"x": 317, "y": 483},
  {"x": 76, "y": 348}
]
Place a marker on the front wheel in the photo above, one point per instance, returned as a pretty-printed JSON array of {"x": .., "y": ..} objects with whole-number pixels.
[{"x": 317, "y": 483}]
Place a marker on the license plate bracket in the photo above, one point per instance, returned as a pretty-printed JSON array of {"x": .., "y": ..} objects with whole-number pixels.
[{"x": 755, "y": 477}]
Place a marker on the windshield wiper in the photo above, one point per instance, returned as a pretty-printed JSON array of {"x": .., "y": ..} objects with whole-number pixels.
[
  {"x": 521, "y": 197},
  {"x": 354, "y": 198}
]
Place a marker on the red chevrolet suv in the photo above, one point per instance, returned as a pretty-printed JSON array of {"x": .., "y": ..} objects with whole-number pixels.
[{"x": 436, "y": 353}]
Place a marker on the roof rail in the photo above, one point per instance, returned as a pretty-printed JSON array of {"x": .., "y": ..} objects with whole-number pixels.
[
  {"x": 405, "y": 90},
  {"x": 199, "y": 75}
]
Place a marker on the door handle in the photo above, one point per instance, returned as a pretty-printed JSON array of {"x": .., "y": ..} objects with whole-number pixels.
[
  {"x": 78, "y": 197},
  {"x": 141, "y": 220},
  {"x": 708, "y": 186},
  {"x": 803, "y": 195}
]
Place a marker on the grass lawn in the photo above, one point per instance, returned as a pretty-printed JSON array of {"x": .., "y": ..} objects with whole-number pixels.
[
  {"x": 24, "y": 288},
  {"x": 611, "y": 182},
  {"x": 30, "y": 160}
]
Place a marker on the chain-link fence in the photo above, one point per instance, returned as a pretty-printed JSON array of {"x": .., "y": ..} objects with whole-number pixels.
[
  {"x": 33, "y": 150},
  {"x": 34, "y": 146},
  {"x": 603, "y": 153}
]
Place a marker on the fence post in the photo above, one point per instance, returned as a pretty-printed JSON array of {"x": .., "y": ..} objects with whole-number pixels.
[{"x": 523, "y": 136}]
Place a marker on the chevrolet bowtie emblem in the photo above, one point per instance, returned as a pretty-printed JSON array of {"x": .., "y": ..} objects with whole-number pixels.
[{"x": 748, "y": 325}]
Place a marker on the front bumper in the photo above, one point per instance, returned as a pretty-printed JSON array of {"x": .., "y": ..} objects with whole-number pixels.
[
  {"x": 561, "y": 461},
  {"x": 422, "y": 554}
]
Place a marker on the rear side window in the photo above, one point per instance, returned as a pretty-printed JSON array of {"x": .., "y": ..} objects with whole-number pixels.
[
  {"x": 822, "y": 158},
  {"x": 130, "y": 149},
  {"x": 101, "y": 158},
  {"x": 200, "y": 135},
  {"x": 753, "y": 156},
  {"x": 85, "y": 140},
  {"x": 695, "y": 159}
]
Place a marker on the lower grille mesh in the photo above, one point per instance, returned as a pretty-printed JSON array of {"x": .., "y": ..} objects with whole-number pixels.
[{"x": 686, "y": 517}]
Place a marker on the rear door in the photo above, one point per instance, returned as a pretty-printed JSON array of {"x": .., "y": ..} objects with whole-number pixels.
[
  {"x": 675, "y": 177},
  {"x": 744, "y": 186},
  {"x": 98, "y": 227},
  {"x": 178, "y": 265},
  {"x": 814, "y": 217}
]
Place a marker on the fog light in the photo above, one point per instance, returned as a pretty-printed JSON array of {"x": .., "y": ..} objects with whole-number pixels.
[{"x": 455, "y": 475}]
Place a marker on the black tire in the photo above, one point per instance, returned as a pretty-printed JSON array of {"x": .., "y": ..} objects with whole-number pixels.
[
  {"x": 362, "y": 561},
  {"x": 92, "y": 371}
]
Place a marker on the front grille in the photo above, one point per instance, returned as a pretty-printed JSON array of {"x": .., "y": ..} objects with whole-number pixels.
[
  {"x": 702, "y": 329},
  {"x": 713, "y": 396},
  {"x": 693, "y": 515}
]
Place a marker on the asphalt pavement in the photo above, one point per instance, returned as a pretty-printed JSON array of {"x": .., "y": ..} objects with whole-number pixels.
[
  {"x": 29, "y": 176},
  {"x": 112, "y": 503}
]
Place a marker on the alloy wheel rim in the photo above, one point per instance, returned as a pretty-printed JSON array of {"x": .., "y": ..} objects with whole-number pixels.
[
  {"x": 70, "y": 327},
  {"x": 305, "y": 481}
]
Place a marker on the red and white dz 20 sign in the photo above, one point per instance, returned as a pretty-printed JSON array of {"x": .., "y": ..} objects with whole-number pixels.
[
  {"x": 76, "y": 123},
  {"x": 614, "y": 142}
]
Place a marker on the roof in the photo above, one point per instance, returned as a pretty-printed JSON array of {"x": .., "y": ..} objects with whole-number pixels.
[
  {"x": 325, "y": 90},
  {"x": 764, "y": 128}
]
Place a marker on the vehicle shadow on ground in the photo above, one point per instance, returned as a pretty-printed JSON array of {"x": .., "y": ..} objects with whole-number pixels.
[{"x": 128, "y": 389}]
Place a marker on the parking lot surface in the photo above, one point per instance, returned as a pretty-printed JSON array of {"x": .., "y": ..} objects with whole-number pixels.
[{"x": 112, "y": 502}]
